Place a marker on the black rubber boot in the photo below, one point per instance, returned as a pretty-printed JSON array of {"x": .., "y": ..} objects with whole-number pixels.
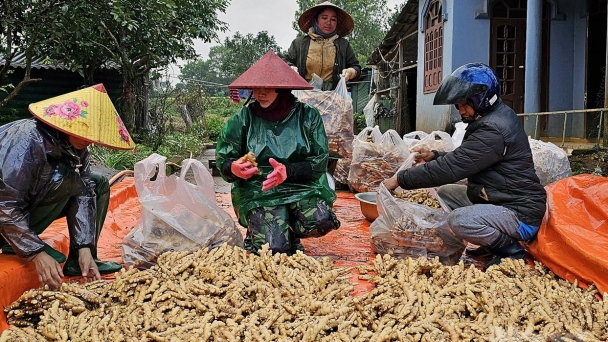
[
  {"x": 296, "y": 245},
  {"x": 481, "y": 251},
  {"x": 248, "y": 245},
  {"x": 505, "y": 247}
]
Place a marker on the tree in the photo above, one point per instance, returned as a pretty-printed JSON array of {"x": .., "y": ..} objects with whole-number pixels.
[
  {"x": 372, "y": 22},
  {"x": 147, "y": 34},
  {"x": 22, "y": 29},
  {"x": 241, "y": 52},
  {"x": 207, "y": 73},
  {"x": 138, "y": 35}
]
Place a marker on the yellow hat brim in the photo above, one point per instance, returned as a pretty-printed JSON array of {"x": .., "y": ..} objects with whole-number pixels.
[{"x": 87, "y": 114}]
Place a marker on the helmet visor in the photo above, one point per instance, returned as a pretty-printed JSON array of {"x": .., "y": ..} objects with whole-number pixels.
[{"x": 454, "y": 90}]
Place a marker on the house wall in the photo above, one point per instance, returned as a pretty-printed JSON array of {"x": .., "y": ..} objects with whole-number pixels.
[
  {"x": 429, "y": 117},
  {"x": 467, "y": 39},
  {"x": 567, "y": 68}
]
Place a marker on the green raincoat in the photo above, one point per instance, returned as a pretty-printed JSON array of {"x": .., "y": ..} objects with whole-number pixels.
[{"x": 297, "y": 138}]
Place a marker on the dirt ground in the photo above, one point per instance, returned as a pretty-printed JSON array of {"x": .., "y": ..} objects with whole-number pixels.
[{"x": 589, "y": 161}]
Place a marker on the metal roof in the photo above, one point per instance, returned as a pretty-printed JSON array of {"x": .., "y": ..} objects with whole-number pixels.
[
  {"x": 18, "y": 61},
  {"x": 405, "y": 25}
]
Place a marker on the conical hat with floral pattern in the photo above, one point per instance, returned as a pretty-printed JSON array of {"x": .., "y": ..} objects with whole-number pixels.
[{"x": 87, "y": 114}]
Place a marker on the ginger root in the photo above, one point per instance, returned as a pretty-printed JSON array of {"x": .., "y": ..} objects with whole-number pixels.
[{"x": 250, "y": 157}]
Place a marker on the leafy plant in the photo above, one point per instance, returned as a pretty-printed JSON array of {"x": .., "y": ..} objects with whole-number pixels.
[
  {"x": 215, "y": 123},
  {"x": 360, "y": 123}
]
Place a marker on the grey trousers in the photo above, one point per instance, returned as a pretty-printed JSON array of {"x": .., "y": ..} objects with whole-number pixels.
[{"x": 480, "y": 224}]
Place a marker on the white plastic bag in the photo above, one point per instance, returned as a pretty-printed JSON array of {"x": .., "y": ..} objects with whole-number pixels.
[
  {"x": 550, "y": 162},
  {"x": 336, "y": 109},
  {"x": 413, "y": 138},
  {"x": 368, "y": 112},
  {"x": 459, "y": 133},
  {"x": 176, "y": 214},
  {"x": 436, "y": 140}
]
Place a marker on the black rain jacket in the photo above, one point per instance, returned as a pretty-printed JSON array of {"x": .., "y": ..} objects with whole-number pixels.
[
  {"x": 496, "y": 158},
  {"x": 345, "y": 57},
  {"x": 38, "y": 168}
]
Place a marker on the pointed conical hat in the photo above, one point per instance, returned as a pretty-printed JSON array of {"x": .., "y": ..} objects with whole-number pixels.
[
  {"x": 270, "y": 72},
  {"x": 87, "y": 114},
  {"x": 345, "y": 21}
]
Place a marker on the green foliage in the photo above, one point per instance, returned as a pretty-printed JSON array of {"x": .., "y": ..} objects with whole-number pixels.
[
  {"x": 228, "y": 61},
  {"x": 241, "y": 52},
  {"x": 207, "y": 73},
  {"x": 118, "y": 160},
  {"x": 215, "y": 123},
  {"x": 360, "y": 123},
  {"x": 372, "y": 21},
  {"x": 137, "y": 35},
  {"x": 223, "y": 106}
]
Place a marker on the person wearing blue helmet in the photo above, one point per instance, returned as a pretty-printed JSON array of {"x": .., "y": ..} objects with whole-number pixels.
[{"x": 503, "y": 202}]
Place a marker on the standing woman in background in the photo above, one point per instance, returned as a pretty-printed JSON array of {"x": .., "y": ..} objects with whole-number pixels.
[{"x": 323, "y": 50}]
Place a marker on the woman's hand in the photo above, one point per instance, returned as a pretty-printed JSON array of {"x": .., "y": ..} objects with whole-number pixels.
[
  {"x": 276, "y": 177},
  {"x": 88, "y": 267},
  {"x": 49, "y": 271},
  {"x": 391, "y": 183},
  {"x": 349, "y": 74},
  {"x": 242, "y": 169}
]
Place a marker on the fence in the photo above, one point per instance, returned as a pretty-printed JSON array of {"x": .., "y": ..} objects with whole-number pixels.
[{"x": 565, "y": 113}]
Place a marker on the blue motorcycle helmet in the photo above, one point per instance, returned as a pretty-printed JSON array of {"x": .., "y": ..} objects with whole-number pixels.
[{"x": 475, "y": 84}]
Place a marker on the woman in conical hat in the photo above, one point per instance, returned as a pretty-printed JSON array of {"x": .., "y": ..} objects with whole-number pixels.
[
  {"x": 283, "y": 195},
  {"x": 323, "y": 50},
  {"x": 45, "y": 175}
]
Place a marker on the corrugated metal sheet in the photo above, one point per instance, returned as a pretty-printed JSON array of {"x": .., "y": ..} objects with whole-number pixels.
[
  {"x": 405, "y": 25},
  {"x": 54, "y": 82},
  {"x": 18, "y": 61},
  {"x": 360, "y": 91}
]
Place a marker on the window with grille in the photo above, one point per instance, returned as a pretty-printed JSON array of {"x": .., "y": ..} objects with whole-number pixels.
[{"x": 433, "y": 47}]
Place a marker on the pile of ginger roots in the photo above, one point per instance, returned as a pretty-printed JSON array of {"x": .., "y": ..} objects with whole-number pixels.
[{"x": 228, "y": 294}]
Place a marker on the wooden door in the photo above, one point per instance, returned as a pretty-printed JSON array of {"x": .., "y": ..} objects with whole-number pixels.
[{"x": 508, "y": 50}]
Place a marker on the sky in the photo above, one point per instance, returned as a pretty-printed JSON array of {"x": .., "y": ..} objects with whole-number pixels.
[{"x": 253, "y": 16}]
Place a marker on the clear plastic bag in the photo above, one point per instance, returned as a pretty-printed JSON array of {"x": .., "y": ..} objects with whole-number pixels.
[
  {"x": 342, "y": 169},
  {"x": 413, "y": 138},
  {"x": 436, "y": 140},
  {"x": 407, "y": 229},
  {"x": 176, "y": 214},
  {"x": 336, "y": 109},
  {"x": 550, "y": 162},
  {"x": 376, "y": 157}
]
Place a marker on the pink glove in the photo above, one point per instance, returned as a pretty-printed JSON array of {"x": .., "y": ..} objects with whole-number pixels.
[
  {"x": 276, "y": 177},
  {"x": 242, "y": 169}
]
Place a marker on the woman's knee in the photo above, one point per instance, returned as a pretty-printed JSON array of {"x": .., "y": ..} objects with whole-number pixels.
[{"x": 315, "y": 221}]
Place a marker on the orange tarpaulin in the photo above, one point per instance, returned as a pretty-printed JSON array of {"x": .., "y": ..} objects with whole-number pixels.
[
  {"x": 347, "y": 246},
  {"x": 573, "y": 238}
]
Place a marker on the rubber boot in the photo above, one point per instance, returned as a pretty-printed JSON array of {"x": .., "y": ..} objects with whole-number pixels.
[
  {"x": 72, "y": 267},
  {"x": 505, "y": 247},
  {"x": 296, "y": 245},
  {"x": 481, "y": 251},
  {"x": 248, "y": 245},
  {"x": 55, "y": 254}
]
